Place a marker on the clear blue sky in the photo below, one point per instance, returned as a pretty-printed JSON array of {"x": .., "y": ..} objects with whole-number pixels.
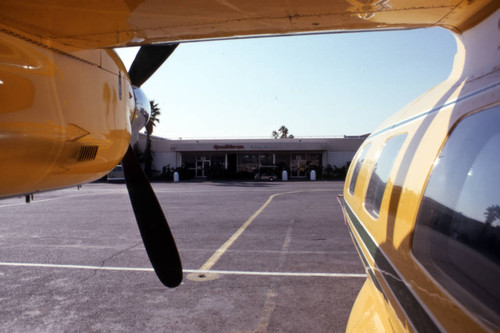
[{"x": 321, "y": 85}]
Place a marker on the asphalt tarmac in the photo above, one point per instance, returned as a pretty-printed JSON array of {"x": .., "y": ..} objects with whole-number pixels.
[{"x": 257, "y": 257}]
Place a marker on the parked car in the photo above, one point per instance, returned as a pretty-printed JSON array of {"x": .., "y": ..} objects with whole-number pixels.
[
  {"x": 269, "y": 173},
  {"x": 116, "y": 175}
]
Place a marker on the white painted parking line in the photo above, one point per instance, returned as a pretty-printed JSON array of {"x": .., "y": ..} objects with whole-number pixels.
[
  {"x": 286, "y": 274},
  {"x": 35, "y": 201},
  {"x": 104, "y": 268},
  {"x": 45, "y": 200},
  {"x": 140, "y": 269}
]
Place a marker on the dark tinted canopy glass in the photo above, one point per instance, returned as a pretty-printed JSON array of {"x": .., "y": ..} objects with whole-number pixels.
[
  {"x": 357, "y": 167},
  {"x": 457, "y": 235},
  {"x": 381, "y": 172}
]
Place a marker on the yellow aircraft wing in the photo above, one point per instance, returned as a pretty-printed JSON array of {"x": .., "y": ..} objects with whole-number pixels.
[{"x": 114, "y": 23}]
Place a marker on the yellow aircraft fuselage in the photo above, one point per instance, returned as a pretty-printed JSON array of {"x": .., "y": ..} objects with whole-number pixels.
[
  {"x": 64, "y": 117},
  {"x": 422, "y": 200}
]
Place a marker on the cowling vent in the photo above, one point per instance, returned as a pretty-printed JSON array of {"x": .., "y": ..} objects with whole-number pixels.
[{"x": 87, "y": 153}]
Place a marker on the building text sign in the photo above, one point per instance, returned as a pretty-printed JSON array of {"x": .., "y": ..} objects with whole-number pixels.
[{"x": 217, "y": 147}]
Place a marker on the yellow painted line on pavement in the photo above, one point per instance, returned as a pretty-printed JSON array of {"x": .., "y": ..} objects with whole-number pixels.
[{"x": 216, "y": 256}]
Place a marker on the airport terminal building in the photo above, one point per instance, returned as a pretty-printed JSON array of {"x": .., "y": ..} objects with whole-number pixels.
[{"x": 246, "y": 157}]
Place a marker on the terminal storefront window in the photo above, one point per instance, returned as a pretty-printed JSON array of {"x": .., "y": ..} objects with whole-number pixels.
[
  {"x": 266, "y": 159},
  {"x": 282, "y": 160},
  {"x": 313, "y": 161},
  {"x": 189, "y": 160},
  {"x": 218, "y": 160},
  {"x": 303, "y": 163},
  {"x": 248, "y": 163}
]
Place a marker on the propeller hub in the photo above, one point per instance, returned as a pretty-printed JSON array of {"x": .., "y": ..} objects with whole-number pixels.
[{"x": 142, "y": 111}]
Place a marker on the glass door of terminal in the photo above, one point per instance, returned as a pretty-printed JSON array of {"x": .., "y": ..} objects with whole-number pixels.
[
  {"x": 298, "y": 165},
  {"x": 202, "y": 167}
]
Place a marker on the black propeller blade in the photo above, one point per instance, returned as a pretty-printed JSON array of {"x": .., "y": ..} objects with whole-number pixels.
[
  {"x": 155, "y": 232},
  {"x": 148, "y": 60},
  {"x": 158, "y": 239}
]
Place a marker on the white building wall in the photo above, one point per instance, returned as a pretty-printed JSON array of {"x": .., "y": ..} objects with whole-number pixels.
[
  {"x": 164, "y": 159},
  {"x": 162, "y": 156}
]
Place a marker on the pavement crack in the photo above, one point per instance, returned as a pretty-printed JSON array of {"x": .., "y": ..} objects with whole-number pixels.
[{"x": 112, "y": 256}]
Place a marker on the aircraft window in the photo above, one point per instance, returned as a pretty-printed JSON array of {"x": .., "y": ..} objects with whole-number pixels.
[
  {"x": 357, "y": 167},
  {"x": 457, "y": 235},
  {"x": 381, "y": 172}
]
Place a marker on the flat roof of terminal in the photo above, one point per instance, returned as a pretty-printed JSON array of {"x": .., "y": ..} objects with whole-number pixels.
[{"x": 343, "y": 143}]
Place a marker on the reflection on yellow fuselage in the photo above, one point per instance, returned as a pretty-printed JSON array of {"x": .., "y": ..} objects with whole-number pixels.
[{"x": 64, "y": 117}]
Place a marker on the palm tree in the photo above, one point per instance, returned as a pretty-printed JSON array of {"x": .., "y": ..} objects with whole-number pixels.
[
  {"x": 282, "y": 133},
  {"x": 148, "y": 153},
  {"x": 492, "y": 213}
]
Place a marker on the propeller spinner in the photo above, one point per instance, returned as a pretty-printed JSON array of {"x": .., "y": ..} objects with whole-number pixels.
[{"x": 155, "y": 232}]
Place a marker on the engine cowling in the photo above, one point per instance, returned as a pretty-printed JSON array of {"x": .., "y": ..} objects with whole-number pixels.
[{"x": 65, "y": 115}]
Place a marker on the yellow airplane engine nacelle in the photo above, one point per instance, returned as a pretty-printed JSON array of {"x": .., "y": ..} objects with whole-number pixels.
[{"x": 65, "y": 114}]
